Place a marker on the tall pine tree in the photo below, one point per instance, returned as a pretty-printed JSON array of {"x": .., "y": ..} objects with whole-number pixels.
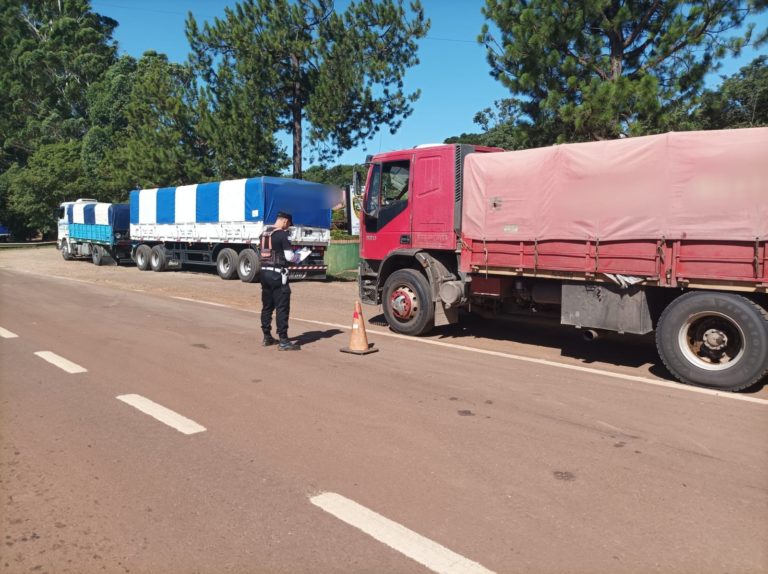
[
  {"x": 301, "y": 62},
  {"x": 602, "y": 68}
]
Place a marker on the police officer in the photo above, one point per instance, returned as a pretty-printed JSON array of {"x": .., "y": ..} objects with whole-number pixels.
[{"x": 276, "y": 252}]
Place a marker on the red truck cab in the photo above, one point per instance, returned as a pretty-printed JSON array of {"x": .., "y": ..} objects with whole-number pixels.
[
  {"x": 412, "y": 205},
  {"x": 411, "y": 201}
]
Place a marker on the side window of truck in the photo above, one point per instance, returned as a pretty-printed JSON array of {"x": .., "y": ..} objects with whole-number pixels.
[{"x": 395, "y": 181}]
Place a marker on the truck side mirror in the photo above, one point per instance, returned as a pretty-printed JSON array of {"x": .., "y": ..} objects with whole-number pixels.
[{"x": 356, "y": 182}]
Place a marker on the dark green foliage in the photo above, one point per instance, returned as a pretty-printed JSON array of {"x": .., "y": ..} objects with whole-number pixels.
[
  {"x": 160, "y": 146},
  {"x": 741, "y": 101},
  {"x": 279, "y": 64},
  {"x": 53, "y": 174},
  {"x": 53, "y": 53},
  {"x": 339, "y": 175},
  {"x": 602, "y": 68}
]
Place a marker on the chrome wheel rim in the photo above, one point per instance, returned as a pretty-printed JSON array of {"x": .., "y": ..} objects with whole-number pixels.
[
  {"x": 404, "y": 303},
  {"x": 712, "y": 341}
]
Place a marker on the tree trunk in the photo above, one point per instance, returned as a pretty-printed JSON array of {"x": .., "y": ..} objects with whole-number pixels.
[
  {"x": 296, "y": 140},
  {"x": 296, "y": 112}
]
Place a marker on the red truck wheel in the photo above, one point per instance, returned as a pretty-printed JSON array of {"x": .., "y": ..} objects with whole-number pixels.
[
  {"x": 717, "y": 340},
  {"x": 408, "y": 308}
]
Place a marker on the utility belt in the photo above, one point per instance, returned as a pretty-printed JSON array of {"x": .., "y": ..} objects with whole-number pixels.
[{"x": 283, "y": 271}]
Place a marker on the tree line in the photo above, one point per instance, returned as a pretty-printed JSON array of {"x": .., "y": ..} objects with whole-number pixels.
[
  {"x": 79, "y": 120},
  {"x": 603, "y": 69}
]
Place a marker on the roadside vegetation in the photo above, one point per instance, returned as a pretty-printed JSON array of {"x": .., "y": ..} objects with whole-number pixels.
[{"x": 78, "y": 120}]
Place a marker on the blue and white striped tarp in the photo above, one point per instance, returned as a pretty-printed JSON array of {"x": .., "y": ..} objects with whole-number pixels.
[
  {"x": 240, "y": 200},
  {"x": 116, "y": 215},
  {"x": 227, "y": 210}
]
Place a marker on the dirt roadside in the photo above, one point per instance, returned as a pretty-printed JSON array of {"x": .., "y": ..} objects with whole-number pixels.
[{"x": 333, "y": 299}]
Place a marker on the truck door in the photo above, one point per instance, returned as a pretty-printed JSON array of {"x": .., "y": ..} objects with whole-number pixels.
[
  {"x": 433, "y": 198},
  {"x": 387, "y": 219}
]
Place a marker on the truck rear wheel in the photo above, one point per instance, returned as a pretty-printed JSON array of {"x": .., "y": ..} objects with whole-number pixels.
[
  {"x": 143, "y": 254},
  {"x": 157, "y": 258},
  {"x": 226, "y": 263},
  {"x": 408, "y": 308},
  {"x": 97, "y": 254},
  {"x": 248, "y": 266},
  {"x": 716, "y": 340}
]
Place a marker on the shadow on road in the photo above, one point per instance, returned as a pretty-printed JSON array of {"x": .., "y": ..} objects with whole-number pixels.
[
  {"x": 627, "y": 350},
  {"x": 310, "y": 337}
]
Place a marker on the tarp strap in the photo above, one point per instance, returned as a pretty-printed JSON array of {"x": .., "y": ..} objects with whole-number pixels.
[
  {"x": 660, "y": 253},
  {"x": 757, "y": 257},
  {"x": 485, "y": 258},
  {"x": 597, "y": 254}
]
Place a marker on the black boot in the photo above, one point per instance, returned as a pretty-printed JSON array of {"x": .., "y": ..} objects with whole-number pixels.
[
  {"x": 269, "y": 340},
  {"x": 287, "y": 345}
]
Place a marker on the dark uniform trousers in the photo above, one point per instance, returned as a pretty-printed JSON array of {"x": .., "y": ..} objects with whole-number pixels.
[{"x": 275, "y": 297}]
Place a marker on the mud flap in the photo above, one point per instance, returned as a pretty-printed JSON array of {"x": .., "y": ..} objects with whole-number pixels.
[{"x": 445, "y": 315}]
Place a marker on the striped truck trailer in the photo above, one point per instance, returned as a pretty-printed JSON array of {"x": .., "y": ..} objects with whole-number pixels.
[
  {"x": 220, "y": 223},
  {"x": 100, "y": 231}
]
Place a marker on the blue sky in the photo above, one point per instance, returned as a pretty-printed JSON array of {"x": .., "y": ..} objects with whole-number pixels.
[{"x": 453, "y": 74}]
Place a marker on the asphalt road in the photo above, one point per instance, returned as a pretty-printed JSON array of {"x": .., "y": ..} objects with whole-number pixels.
[{"x": 457, "y": 453}]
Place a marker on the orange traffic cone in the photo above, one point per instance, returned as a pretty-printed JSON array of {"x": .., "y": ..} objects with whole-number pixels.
[{"x": 358, "y": 340}]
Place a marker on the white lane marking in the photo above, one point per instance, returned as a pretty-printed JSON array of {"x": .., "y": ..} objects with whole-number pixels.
[
  {"x": 415, "y": 546},
  {"x": 164, "y": 415},
  {"x": 199, "y": 301},
  {"x": 61, "y": 362},
  {"x": 67, "y": 278},
  {"x": 634, "y": 378},
  {"x": 611, "y": 374},
  {"x": 6, "y": 334}
]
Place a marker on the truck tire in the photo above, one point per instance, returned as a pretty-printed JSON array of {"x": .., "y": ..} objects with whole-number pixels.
[
  {"x": 143, "y": 254},
  {"x": 408, "y": 308},
  {"x": 158, "y": 261},
  {"x": 226, "y": 263},
  {"x": 248, "y": 266},
  {"x": 97, "y": 254},
  {"x": 716, "y": 340},
  {"x": 66, "y": 253}
]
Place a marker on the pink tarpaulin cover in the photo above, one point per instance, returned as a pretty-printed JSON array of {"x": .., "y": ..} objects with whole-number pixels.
[{"x": 708, "y": 185}]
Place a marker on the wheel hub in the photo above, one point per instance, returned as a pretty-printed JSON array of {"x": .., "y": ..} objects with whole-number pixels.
[
  {"x": 715, "y": 340},
  {"x": 403, "y": 303}
]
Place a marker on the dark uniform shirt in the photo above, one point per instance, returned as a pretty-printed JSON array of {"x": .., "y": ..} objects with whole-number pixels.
[{"x": 280, "y": 244}]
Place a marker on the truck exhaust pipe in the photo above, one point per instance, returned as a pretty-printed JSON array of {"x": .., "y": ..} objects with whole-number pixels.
[{"x": 590, "y": 335}]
